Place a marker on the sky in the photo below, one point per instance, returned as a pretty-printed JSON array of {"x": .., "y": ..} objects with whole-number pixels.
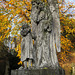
[{"x": 70, "y": 1}]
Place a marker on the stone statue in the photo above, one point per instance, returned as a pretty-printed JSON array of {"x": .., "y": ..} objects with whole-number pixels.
[
  {"x": 46, "y": 33},
  {"x": 26, "y": 47}
]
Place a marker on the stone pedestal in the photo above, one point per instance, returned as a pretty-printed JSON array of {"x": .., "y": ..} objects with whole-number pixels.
[
  {"x": 73, "y": 70},
  {"x": 37, "y": 72}
]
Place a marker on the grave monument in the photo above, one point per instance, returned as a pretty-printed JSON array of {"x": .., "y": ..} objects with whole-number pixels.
[{"x": 41, "y": 57}]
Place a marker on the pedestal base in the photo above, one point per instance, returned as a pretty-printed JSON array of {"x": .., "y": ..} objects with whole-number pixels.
[{"x": 37, "y": 72}]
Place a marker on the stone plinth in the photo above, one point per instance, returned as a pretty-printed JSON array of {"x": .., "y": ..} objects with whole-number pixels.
[{"x": 37, "y": 72}]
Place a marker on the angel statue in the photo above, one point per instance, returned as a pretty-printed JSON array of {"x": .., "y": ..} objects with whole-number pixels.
[
  {"x": 46, "y": 28},
  {"x": 26, "y": 47}
]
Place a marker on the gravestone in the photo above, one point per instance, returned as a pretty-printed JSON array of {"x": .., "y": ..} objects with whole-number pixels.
[{"x": 73, "y": 69}]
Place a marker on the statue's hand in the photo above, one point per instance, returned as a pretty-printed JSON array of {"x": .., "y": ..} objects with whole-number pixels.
[
  {"x": 41, "y": 16},
  {"x": 33, "y": 36},
  {"x": 47, "y": 26},
  {"x": 49, "y": 29}
]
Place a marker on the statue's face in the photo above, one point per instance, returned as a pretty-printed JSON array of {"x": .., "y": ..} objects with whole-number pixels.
[
  {"x": 25, "y": 30},
  {"x": 38, "y": 5}
]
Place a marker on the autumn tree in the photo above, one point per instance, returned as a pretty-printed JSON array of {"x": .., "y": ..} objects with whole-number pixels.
[
  {"x": 12, "y": 14},
  {"x": 67, "y": 21}
]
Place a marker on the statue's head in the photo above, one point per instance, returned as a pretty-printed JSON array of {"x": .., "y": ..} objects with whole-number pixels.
[
  {"x": 25, "y": 30},
  {"x": 25, "y": 26},
  {"x": 38, "y": 4}
]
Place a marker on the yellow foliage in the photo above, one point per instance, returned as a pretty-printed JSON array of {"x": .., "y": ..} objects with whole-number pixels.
[
  {"x": 33, "y": 41},
  {"x": 66, "y": 44},
  {"x": 20, "y": 63}
]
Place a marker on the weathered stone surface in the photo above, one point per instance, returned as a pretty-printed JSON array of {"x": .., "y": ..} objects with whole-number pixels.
[
  {"x": 46, "y": 34},
  {"x": 73, "y": 70},
  {"x": 26, "y": 45},
  {"x": 46, "y": 31},
  {"x": 53, "y": 6},
  {"x": 36, "y": 72},
  {"x": 14, "y": 72}
]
